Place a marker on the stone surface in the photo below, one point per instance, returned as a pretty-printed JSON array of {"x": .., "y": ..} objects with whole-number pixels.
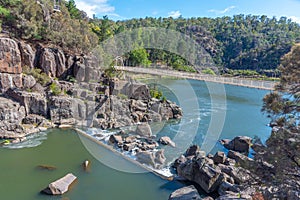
[
  {"x": 61, "y": 185},
  {"x": 28, "y": 82},
  {"x": 34, "y": 103},
  {"x": 241, "y": 159},
  {"x": 11, "y": 116},
  {"x": 239, "y": 143},
  {"x": 201, "y": 173},
  {"x": 154, "y": 159},
  {"x": 27, "y": 55},
  {"x": 219, "y": 157},
  {"x": 226, "y": 187},
  {"x": 132, "y": 90},
  {"x": 165, "y": 140},
  {"x": 115, "y": 139},
  {"x": 185, "y": 193},
  {"x": 10, "y": 81},
  {"x": 10, "y": 56},
  {"x": 144, "y": 130},
  {"x": 192, "y": 151},
  {"x": 52, "y": 61}
]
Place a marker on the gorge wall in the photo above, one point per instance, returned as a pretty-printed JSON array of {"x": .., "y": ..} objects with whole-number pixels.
[{"x": 45, "y": 86}]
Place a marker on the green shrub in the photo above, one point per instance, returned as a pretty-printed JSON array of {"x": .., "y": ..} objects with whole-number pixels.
[
  {"x": 184, "y": 68},
  {"x": 208, "y": 71},
  {"x": 40, "y": 76},
  {"x": 155, "y": 93},
  {"x": 55, "y": 89}
]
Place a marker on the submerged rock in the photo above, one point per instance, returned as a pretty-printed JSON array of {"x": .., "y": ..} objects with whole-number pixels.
[
  {"x": 61, "y": 185},
  {"x": 47, "y": 167},
  {"x": 185, "y": 193}
]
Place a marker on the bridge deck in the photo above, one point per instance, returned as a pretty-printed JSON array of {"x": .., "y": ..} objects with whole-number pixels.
[{"x": 260, "y": 84}]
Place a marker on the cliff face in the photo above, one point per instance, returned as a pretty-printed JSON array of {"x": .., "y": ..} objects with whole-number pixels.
[
  {"x": 38, "y": 99},
  {"x": 10, "y": 56}
]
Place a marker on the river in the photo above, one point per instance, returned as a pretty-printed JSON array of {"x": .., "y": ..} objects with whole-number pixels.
[{"x": 20, "y": 178}]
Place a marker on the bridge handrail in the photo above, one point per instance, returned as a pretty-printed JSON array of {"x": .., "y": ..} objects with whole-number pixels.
[{"x": 261, "y": 84}]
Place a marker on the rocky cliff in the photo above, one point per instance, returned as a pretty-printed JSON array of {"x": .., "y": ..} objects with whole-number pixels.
[{"x": 44, "y": 86}]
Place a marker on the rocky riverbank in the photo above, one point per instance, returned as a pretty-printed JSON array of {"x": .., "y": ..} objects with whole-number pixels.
[
  {"x": 273, "y": 173},
  {"x": 43, "y": 87}
]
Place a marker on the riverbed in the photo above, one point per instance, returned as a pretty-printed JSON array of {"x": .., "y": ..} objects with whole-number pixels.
[{"x": 21, "y": 179}]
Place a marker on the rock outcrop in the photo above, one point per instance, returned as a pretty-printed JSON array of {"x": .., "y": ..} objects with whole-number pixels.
[
  {"x": 212, "y": 173},
  {"x": 10, "y": 56},
  {"x": 11, "y": 115},
  {"x": 84, "y": 95},
  {"x": 155, "y": 159},
  {"x": 165, "y": 140},
  {"x": 185, "y": 193},
  {"x": 34, "y": 103},
  {"x": 241, "y": 144},
  {"x": 143, "y": 130},
  {"x": 61, "y": 185}
]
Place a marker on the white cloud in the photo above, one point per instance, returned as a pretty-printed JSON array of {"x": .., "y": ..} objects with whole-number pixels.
[
  {"x": 95, "y": 7},
  {"x": 174, "y": 14},
  {"x": 295, "y": 19},
  {"x": 222, "y": 11}
]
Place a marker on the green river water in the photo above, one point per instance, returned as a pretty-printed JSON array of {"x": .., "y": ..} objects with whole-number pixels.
[{"x": 20, "y": 179}]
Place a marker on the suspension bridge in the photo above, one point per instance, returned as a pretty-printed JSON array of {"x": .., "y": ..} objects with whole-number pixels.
[{"x": 259, "y": 84}]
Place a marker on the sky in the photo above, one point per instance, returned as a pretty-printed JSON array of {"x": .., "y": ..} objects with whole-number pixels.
[{"x": 127, "y": 9}]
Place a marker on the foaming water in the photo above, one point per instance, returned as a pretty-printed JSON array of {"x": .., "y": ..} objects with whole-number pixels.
[{"x": 31, "y": 141}]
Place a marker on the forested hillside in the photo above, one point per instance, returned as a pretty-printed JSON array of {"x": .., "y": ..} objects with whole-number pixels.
[{"x": 238, "y": 42}]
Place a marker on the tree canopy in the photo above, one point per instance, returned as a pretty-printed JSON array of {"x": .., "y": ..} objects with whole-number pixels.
[
  {"x": 243, "y": 42},
  {"x": 283, "y": 105}
]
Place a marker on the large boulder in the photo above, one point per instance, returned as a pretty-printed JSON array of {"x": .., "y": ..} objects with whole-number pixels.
[
  {"x": 115, "y": 139},
  {"x": 11, "y": 115},
  {"x": 61, "y": 185},
  {"x": 193, "y": 150},
  {"x": 239, "y": 143},
  {"x": 144, "y": 130},
  {"x": 185, "y": 193},
  {"x": 10, "y": 56},
  {"x": 201, "y": 173},
  {"x": 154, "y": 159}
]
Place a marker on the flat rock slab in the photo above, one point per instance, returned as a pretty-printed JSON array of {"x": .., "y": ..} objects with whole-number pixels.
[
  {"x": 60, "y": 186},
  {"x": 185, "y": 193}
]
